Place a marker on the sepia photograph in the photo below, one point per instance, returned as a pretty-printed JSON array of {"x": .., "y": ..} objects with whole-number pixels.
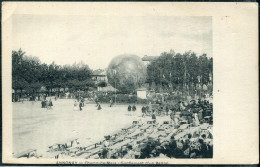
[
  {"x": 150, "y": 102},
  {"x": 97, "y": 87}
]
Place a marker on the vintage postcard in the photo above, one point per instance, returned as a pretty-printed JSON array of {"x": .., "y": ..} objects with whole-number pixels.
[{"x": 130, "y": 83}]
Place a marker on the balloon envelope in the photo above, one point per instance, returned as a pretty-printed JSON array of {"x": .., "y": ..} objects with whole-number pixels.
[{"x": 126, "y": 73}]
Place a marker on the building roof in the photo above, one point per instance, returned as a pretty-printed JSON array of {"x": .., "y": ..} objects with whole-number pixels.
[
  {"x": 141, "y": 89},
  {"x": 108, "y": 88},
  {"x": 149, "y": 58},
  {"x": 99, "y": 72}
]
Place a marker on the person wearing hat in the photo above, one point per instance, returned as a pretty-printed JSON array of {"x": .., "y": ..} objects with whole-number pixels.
[
  {"x": 105, "y": 150},
  {"x": 134, "y": 108},
  {"x": 145, "y": 152},
  {"x": 129, "y": 109},
  {"x": 153, "y": 116},
  {"x": 178, "y": 152},
  {"x": 143, "y": 111},
  {"x": 80, "y": 105},
  {"x": 203, "y": 149},
  {"x": 170, "y": 149}
]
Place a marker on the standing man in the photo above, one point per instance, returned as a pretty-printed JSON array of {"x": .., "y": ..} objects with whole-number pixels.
[
  {"x": 111, "y": 102},
  {"x": 153, "y": 116},
  {"x": 129, "y": 109},
  {"x": 143, "y": 111},
  {"x": 82, "y": 101},
  {"x": 80, "y": 105},
  {"x": 97, "y": 102},
  {"x": 134, "y": 108},
  {"x": 42, "y": 104}
]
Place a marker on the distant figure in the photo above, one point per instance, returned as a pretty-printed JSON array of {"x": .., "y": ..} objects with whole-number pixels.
[
  {"x": 50, "y": 104},
  {"x": 55, "y": 98},
  {"x": 82, "y": 101},
  {"x": 134, "y": 108},
  {"x": 196, "y": 119},
  {"x": 80, "y": 105},
  {"x": 99, "y": 106},
  {"x": 75, "y": 106},
  {"x": 96, "y": 100},
  {"x": 153, "y": 116},
  {"x": 111, "y": 102},
  {"x": 147, "y": 109},
  {"x": 105, "y": 148},
  {"x": 43, "y": 105},
  {"x": 143, "y": 111},
  {"x": 47, "y": 105},
  {"x": 129, "y": 108}
]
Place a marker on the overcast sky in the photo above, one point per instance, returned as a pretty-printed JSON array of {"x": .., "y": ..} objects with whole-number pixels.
[{"x": 97, "y": 40}]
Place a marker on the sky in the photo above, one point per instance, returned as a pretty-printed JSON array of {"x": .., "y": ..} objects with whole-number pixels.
[{"x": 96, "y": 40}]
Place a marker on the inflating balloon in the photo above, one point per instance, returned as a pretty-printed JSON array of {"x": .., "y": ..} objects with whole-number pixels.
[{"x": 126, "y": 73}]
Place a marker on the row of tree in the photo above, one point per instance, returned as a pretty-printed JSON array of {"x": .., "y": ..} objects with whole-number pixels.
[
  {"x": 30, "y": 75},
  {"x": 184, "y": 72},
  {"x": 180, "y": 71}
]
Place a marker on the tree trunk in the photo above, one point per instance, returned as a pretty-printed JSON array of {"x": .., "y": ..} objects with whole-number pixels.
[
  {"x": 59, "y": 92},
  {"x": 21, "y": 93}
]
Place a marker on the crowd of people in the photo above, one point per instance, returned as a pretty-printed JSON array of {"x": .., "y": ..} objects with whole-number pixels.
[
  {"x": 199, "y": 147},
  {"x": 195, "y": 141},
  {"x": 193, "y": 144},
  {"x": 194, "y": 111}
]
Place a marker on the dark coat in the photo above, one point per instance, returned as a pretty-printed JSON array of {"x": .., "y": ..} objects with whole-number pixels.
[{"x": 129, "y": 108}]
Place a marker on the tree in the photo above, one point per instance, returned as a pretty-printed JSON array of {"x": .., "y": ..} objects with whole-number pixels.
[
  {"x": 180, "y": 71},
  {"x": 18, "y": 82}
]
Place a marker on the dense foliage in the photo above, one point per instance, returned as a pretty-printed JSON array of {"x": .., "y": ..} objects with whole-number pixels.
[
  {"x": 30, "y": 75},
  {"x": 167, "y": 73},
  {"x": 180, "y": 71}
]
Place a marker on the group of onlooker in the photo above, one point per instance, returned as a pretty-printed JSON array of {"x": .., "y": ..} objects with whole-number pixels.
[{"x": 47, "y": 104}]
